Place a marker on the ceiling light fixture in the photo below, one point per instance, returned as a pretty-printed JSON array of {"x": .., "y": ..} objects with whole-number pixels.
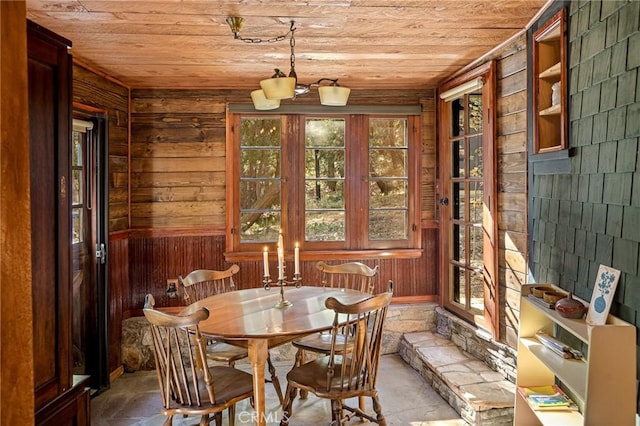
[{"x": 280, "y": 86}]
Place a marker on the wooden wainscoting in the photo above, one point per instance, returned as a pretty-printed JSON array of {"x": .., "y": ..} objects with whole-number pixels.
[
  {"x": 118, "y": 294},
  {"x": 153, "y": 259}
]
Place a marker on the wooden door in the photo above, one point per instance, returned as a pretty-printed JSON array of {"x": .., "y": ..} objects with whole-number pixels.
[{"x": 49, "y": 69}]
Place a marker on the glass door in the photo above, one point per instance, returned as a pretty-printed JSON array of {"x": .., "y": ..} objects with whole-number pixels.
[
  {"x": 89, "y": 233},
  {"x": 466, "y": 183},
  {"x": 468, "y": 206}
]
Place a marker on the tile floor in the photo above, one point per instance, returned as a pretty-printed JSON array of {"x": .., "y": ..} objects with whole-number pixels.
[{"x": 405, "y": 397}]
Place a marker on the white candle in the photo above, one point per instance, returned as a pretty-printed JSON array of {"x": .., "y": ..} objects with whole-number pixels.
[
  {"x": 296, "y": 257},
  {"x": 265, "y": 259},
  {"x": 280, "y": 258}
]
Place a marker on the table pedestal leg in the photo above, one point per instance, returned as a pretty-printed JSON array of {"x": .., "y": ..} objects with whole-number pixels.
[{"x": 258, "y": 353}]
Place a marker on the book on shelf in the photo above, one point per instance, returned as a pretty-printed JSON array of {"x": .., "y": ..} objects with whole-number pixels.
[{"x": 545, "y": 398}]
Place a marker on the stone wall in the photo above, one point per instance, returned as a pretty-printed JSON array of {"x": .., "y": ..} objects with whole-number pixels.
[
  {"x": 137, "y": 351},
  {"x": 477, "y": 343}
]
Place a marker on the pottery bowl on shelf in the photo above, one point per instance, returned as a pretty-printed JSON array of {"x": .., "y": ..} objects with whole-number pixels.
[
  {"x": 569, "y": 307},
  {"x": 538, "y": 291},
  {"x": 552, "y": 296}
]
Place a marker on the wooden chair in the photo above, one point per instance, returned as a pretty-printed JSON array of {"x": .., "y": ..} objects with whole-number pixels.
[
  {"x": 187, "y": 385},
  {"x": 352, "y": 275},
  {"x": 345, "y": 372},
  {"x": 203, "y": 283}
]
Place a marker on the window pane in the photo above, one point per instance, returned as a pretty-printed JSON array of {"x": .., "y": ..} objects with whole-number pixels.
[
  {"x": 324, "y": 132},
  {"x": 457, "y": 204},
  {"x": 388, "y": 162},
  {"x": 325, "y": 210},
  {"x": 76, "y": 218},
  {"x": 475, "y": 247},
  {"x": 457, "y": 158},
  {"x": 458, "y": 284},
  {"x": 388, "y": 193},
  {"x": 263, "y": 132},
  {"x": 259, "y": 226},
  {"x": 475, "y": 202},
  {"x": 458, "y": 244},
  {"x": 324, "y": 194},
  {"x": 388, "y": 224},
  {"x": 325, "y": 226},
  {"x": 259, "y": 195},
  {"x": 457, "y": 117},
  {"x": 76, "y": 155},
  {"x": 77, "y": 187},
  {"x": 475, "y": 114},
  {"x": 259, "y": 163},
  {"x": 388, "y": 132},
  {"x": 475, "y": 157},
  {"x": 477, "y": 291},
  {"x": 323, "y": 163}
]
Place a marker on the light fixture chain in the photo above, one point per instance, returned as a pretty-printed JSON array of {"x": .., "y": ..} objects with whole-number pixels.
[
  {"x": 236, "y": 24},
  {"x": 292, "y": 43},
  {"x": 263, "y": 40}
]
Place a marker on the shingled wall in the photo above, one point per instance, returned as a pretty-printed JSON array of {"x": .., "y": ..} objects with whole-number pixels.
[{"x": 591, "y": 215}]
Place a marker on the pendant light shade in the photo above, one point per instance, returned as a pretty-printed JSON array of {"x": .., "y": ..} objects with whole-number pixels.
[
  {"x": 260, "y": 101},
  {"x": 333, "y": 95},
  {"x": 279, "y": 87}
]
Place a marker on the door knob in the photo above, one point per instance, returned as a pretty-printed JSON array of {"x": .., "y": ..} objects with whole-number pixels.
[{"x": 444, "y": 201}]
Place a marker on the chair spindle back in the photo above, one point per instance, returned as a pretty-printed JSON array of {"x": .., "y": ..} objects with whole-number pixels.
[
  {"x": 358, "y": 369},
  {"x": 203, "y": 283},
  {"x": 176, "y": 352},
  {"x": 351, "y": 275}
]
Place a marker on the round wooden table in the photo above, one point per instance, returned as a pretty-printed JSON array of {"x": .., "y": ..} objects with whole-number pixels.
[{"x": 249, "y": 318}]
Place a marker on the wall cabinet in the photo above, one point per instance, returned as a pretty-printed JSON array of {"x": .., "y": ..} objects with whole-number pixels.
[
  {"x": 550, "y": 85},
  {"x": 603, "y": 384}
]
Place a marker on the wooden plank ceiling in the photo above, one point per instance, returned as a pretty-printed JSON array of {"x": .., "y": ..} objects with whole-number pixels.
[{"x": 367, "y": 44}]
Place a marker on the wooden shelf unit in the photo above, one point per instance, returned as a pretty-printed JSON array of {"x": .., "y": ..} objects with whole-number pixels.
[
  {"x": 605, "y": 378},
  {"x": 549, "y": 68}
]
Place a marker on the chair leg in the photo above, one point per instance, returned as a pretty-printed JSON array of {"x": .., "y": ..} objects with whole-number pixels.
[
  {"x": 232, "y": 415},
  {"x": 287, "y": 406},
  {"x": 378, "y": 409},
  {"x": 298, "y": 362},
  {"x": 204, "y": 420},
  {"x": 168, "y": 421},
  {"x": 275, "y": 381},
  {"x": 336, "y": 412},
  {"x": 362, "y": 404}
]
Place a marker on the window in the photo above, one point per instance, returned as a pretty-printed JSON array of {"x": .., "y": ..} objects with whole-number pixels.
[
  {"x": 79, "y": 178},
  {"x": 329, "y": 182},
  {"x": 468, "y": 237}
]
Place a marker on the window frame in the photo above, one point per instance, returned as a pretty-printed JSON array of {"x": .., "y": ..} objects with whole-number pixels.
[
  {"x": 292, "y": 166},
  {"x": 490, "y": 318}
]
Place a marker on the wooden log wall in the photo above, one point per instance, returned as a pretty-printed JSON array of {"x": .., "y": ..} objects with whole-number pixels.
[
  {"x": 98, "y": 91},
  {"x": 178, "y": 182},
  {"x": 94, "y": 90},
  {"x": 511, "y": 132}
]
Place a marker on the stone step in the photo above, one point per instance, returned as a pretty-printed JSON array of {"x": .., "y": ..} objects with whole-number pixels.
[{"x": 479, "y": 394}]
